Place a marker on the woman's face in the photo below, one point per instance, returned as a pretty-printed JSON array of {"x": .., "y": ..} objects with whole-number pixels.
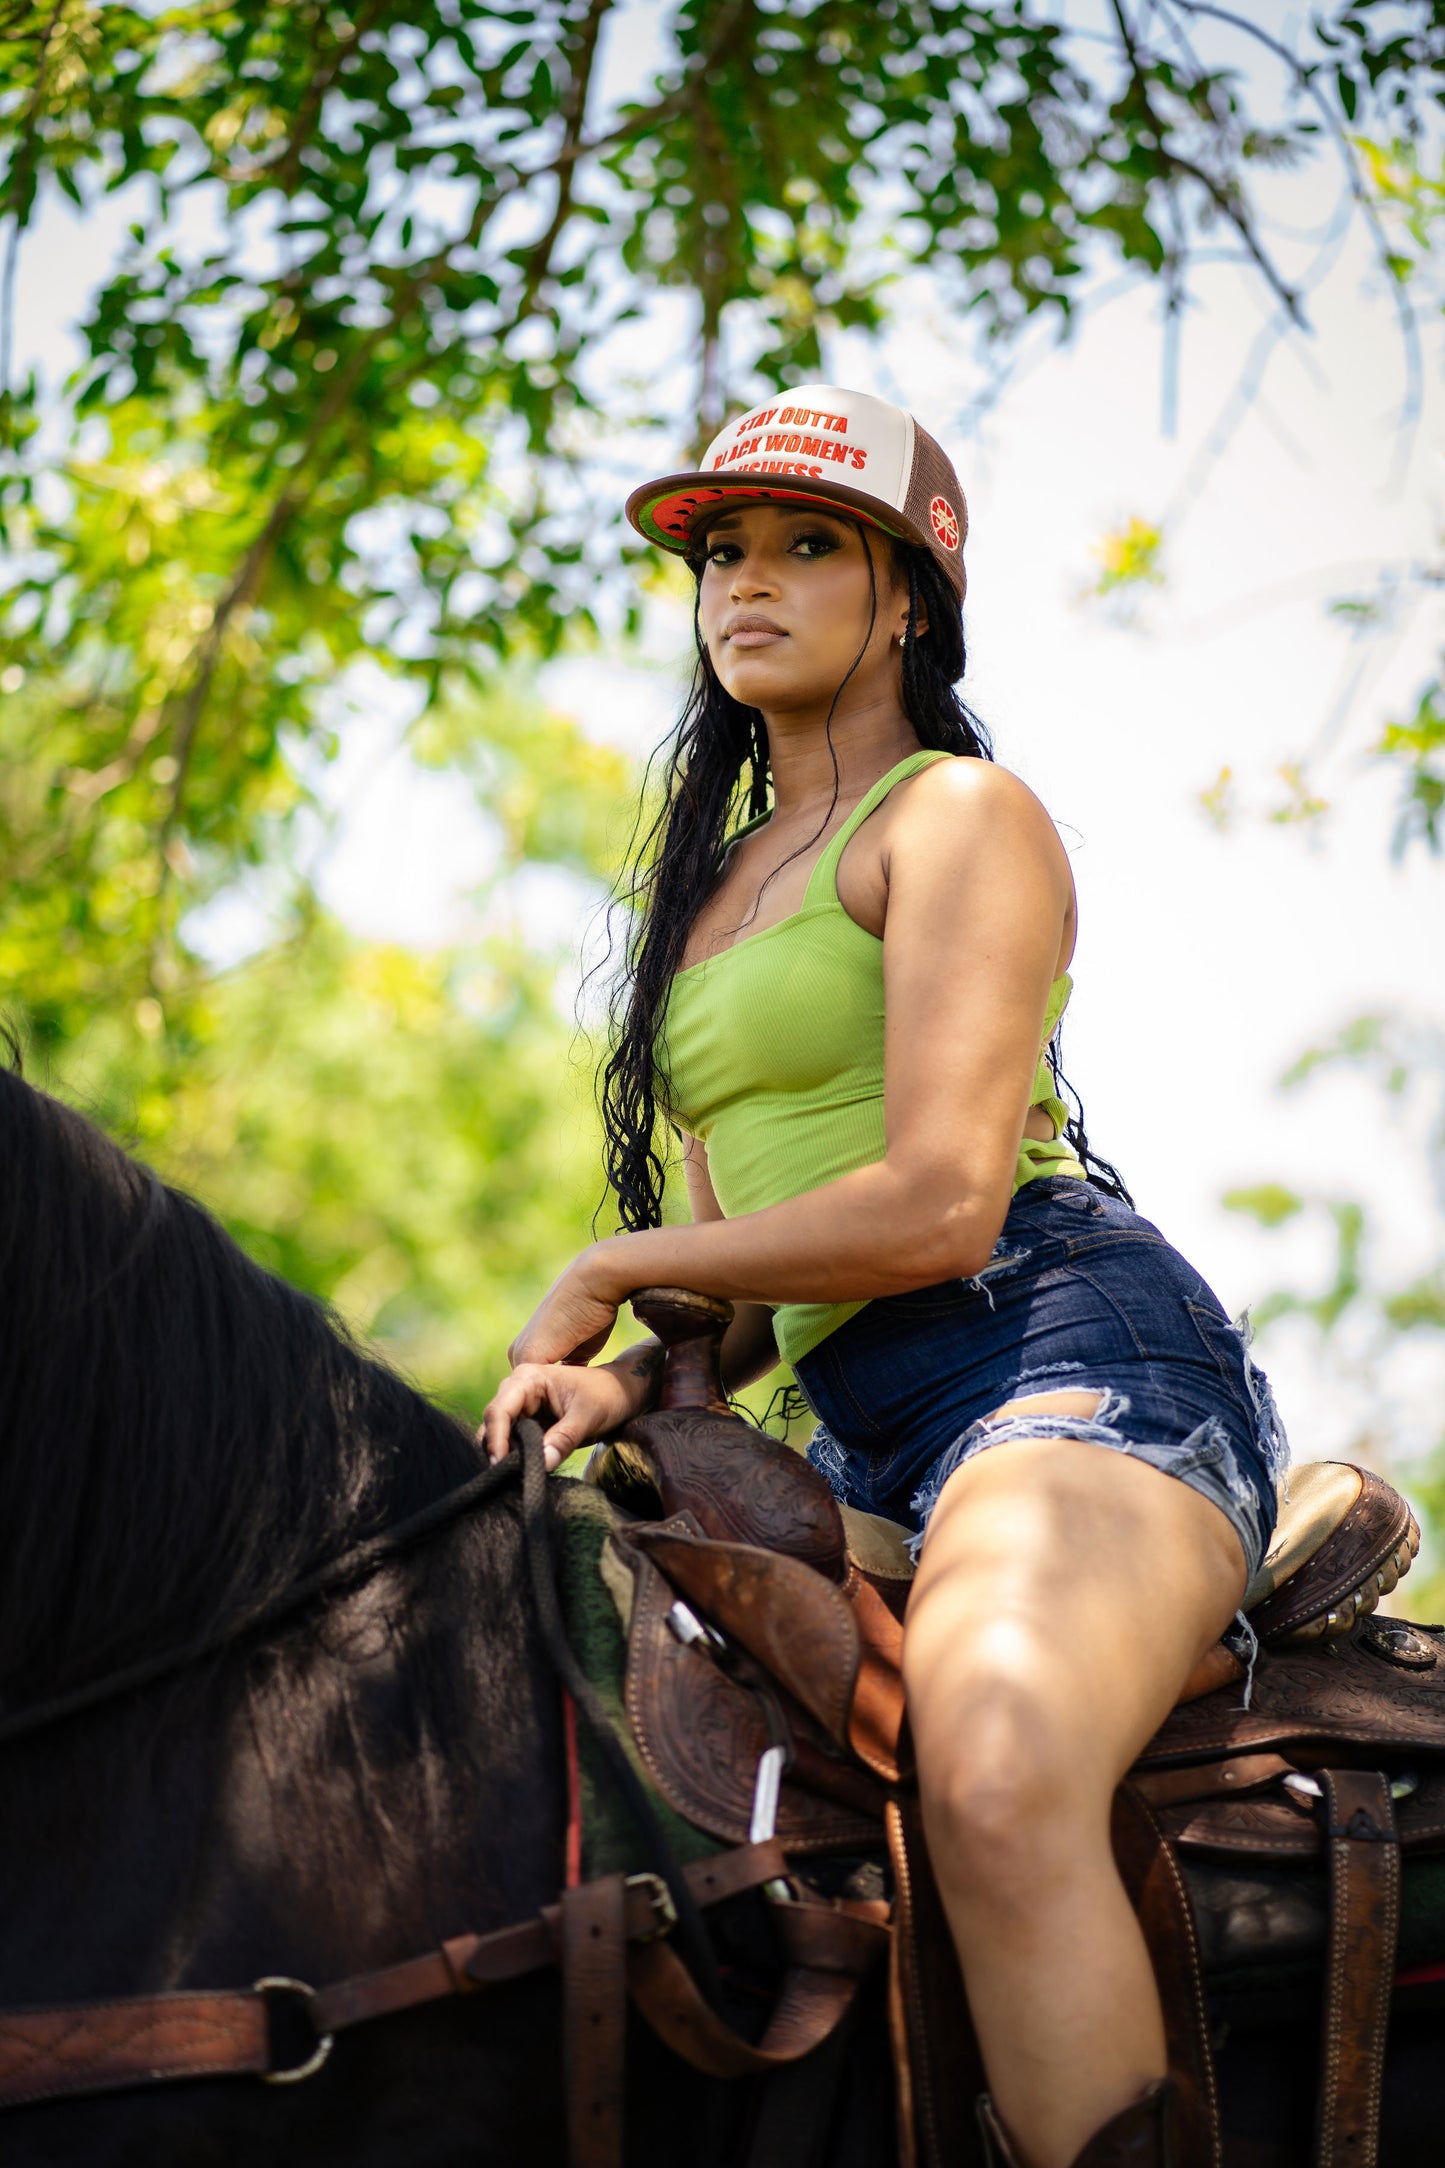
[{"x": 784, "y": 607}]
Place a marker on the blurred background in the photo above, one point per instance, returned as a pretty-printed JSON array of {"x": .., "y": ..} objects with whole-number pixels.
[{"x": 330, "y": 343}]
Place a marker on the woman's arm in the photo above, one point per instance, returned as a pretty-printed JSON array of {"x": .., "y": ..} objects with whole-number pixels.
[{"x": 979, "y": 894}]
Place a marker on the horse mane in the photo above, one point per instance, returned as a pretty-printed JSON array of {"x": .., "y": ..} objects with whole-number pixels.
[{"x": 184, "y": 1435}]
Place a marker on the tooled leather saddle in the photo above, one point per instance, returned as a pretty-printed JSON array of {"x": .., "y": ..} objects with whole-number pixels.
[{"x": 765, "y": 1634}]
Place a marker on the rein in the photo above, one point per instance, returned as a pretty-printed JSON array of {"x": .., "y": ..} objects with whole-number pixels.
[{"x": 353, "y": 1565}]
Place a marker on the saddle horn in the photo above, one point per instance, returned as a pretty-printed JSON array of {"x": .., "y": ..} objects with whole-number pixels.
[
  {"x": 691, "y": 1329},
  {"x": 740, "y": 1485}
]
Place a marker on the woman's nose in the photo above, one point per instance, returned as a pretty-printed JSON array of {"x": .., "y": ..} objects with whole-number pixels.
[{"x": 753, "y": 577}]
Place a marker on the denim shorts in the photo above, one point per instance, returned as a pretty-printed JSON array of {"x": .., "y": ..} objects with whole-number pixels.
[{"x": 1081, "y": 1293}]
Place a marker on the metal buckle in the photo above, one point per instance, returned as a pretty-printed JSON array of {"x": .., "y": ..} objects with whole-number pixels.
[
  {"x": 278, "y": 1983},
  {"x": 659, "y": 1896}
]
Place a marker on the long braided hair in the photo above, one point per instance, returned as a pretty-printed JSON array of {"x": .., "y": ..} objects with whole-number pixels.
[{"x": 714, "y": 772}]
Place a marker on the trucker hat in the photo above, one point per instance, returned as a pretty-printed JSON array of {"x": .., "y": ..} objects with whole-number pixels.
[{"x": 818, "y": 441}]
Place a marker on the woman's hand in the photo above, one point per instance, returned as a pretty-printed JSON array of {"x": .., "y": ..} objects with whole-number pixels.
[
  {"x": 575, "y": 1404},
  {"x": 574, "y": 1320}
]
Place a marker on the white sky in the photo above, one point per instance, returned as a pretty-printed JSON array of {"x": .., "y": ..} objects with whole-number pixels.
[{"x": 1206, "y": 963}]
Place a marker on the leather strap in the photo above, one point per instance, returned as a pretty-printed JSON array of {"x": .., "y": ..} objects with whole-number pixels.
[
  {"x": 594, "y": 2020},
  {"x": 105, "y": 2046},
  {"x": 936, "y": 2061},
  {"x": 1150, "y": 1873},
  {"x": 100, "y": 2047},
  {"x": 875, "y": 1714},
  {"x": 1364, "y": 1851},
  {"x": 829, "y": 1947},
  {"x": 794, "y": 2125},
  {"x": 1237, "y": 1775}
]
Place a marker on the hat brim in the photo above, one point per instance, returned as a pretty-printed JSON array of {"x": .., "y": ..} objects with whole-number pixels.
[{"x": 669, "y": 512}]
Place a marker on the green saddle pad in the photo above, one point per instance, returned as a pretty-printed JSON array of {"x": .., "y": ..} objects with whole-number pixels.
[{"x": 584, "y": 1519}]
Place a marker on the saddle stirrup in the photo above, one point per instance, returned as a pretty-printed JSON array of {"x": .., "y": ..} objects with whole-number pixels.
[{"x": 1140, "y": 2136}]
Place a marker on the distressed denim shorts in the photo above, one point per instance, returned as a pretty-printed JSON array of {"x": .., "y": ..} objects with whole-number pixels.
[{"x": 1080, "y": 1292}]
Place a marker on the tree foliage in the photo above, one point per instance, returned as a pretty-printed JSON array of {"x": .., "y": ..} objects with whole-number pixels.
[{"x": 353, "y": 393}]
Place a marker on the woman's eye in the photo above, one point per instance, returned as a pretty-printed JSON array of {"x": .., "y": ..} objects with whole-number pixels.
[
  {"x": 723, "y": 553},
  {"x": 814, "y": 545}
]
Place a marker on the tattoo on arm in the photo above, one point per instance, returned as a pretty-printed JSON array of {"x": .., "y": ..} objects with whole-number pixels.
[{"x": 644, "y": 1362}]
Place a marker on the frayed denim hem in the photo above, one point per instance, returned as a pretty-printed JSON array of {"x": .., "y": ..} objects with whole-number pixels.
[
  {"x": 1242, "y": 1641},
  {"x": 1269, "y": 1427},
  {"x": 1206, "y": 1460},
  {"x": 1097, "y": 1429},
  {"x": 1205, "y": 1453},
  {"x": 831, "y": 1461}
]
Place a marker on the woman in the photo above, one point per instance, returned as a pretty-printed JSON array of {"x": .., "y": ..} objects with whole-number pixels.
[{"x": 845, "y": 1011}]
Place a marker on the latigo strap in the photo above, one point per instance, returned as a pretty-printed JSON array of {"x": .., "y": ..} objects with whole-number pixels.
[{"x": 1359, "y": 1819}]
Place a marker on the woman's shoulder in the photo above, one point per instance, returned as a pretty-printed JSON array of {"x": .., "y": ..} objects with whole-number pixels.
[
  {"x": 971, "y": 791},
  {"x": 964, "y": 821}
]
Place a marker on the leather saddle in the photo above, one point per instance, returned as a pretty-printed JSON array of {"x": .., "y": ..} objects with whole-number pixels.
[
  {"x": 763, "y": 1615},
  {"x": 1343, "y": 1538}
]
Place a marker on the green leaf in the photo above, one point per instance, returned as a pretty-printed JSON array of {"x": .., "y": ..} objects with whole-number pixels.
[
  {"x": 1267, "y": 1202},
  {"x": 1422, "y": 1304}
]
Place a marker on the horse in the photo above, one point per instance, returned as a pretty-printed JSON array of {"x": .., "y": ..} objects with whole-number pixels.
[
  {"x": 187, "y": 1442},
  {"x": 225, "y": 1759}
]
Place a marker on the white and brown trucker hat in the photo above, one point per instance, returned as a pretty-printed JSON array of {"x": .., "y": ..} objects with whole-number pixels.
[{"x": 814, "y": 442}]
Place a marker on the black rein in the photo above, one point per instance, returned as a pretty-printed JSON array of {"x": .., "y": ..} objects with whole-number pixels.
[{"x": 352, "y": 1566}]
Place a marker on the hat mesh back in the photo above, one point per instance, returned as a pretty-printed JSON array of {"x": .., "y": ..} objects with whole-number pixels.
[{"x": 933, "y": 477}]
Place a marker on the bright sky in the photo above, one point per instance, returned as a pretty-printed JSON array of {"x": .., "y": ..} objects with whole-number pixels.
[{"x": 1207, "y": 963}]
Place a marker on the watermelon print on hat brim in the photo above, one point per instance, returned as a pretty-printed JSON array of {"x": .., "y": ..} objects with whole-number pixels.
[{"x": 815, "y": 443}]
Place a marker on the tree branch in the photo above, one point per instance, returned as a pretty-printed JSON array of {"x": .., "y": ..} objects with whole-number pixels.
[
  {"x": 677, "y": 101},
  {"x": 293, "y": 499},
  {"x": 297, "y": 493},
  {"x": 1219, "y": 196},
  {"x": 1304, "y": 79},
  {"x": 285, "y": 169},
  {"x": 574, "y": 112},
  {"x": 300, "y": 488}
]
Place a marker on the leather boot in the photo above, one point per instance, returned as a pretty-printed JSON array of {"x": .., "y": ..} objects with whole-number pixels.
[{"x": 1140, "y": 2136}]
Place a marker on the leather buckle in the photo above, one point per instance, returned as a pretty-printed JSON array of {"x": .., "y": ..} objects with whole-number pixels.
[
  {"x": 659, "y": 1896},
  {"x": 274, "y": 1983}
]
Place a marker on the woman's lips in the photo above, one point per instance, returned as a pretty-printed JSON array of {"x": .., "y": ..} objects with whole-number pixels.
[{"x": 753, "y": 632}]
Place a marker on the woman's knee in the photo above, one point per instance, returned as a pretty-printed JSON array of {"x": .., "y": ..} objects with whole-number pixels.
[{"x": 1010, "y": 1786}]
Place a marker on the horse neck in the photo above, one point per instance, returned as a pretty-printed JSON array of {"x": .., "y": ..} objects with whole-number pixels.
[{"x": 385, "y": 1773}]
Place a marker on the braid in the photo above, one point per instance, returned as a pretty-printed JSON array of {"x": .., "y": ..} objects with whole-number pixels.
[
  {"x": 716, "y": 763},
  {"x": 933, "y": 661},
  {"x": 1102, "y": 1173}
]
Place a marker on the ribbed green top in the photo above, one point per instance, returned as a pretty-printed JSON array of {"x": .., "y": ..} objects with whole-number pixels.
[{"x": 773, "y": 1055}]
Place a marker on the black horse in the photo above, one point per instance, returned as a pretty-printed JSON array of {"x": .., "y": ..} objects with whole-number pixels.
[
  {"x": 186, "y": 1439},
  {"x": 187, "y": 1442}
]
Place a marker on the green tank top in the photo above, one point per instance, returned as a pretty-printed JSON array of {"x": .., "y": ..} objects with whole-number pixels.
[{"x": 772, "y": 1054}]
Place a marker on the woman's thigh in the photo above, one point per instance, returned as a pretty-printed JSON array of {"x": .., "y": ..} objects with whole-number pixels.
[{"x": 1064, "y": 1594}]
